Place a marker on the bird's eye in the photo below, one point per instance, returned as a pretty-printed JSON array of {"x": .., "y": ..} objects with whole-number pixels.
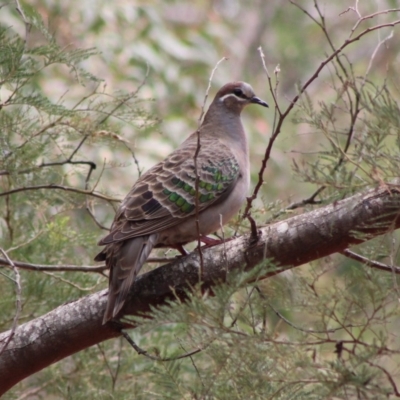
[{"x": 238, "y": 92}]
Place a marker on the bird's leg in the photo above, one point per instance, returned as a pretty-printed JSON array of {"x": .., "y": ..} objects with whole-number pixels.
[
  {"x": 181, "y": 249},
  {"x": 208, "y": 242}
]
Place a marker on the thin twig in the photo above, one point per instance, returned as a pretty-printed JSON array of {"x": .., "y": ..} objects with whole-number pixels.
[
  {"x": 26, "y": 242},
  {"x": 51, "y": 164},
  {"x": 295, "y": 326},
  {"x": 193, "y": 363},
  {"x": 142, "y": 352},
  {"x": 260, "y": 181},
  {"x": 242, "y": 307},
  {"x": 282, "y": 116},
  {"x": 88, "y": 203},
  {"x": 73, "y": 284},
  {"x": 18, "y": 291},
  {"x": 197, "y": 182},
  {"x": 52, "y": 268},
  {"x": 28, "y": 25},
  {"x": 66, "y": 188},
  {"x": 113, "y": 374},
  {"x": 370, "y": 263}
]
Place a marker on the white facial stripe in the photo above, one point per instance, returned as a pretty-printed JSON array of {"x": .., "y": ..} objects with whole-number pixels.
[
  {"x": 247, "y": 86},
  {"x": 232, "y": 95}
]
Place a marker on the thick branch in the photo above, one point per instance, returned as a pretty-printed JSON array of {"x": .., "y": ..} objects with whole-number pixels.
[{"x": 290, "y": 243}]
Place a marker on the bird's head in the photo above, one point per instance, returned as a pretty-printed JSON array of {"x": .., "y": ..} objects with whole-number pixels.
[{"x": 237, "y": 95}]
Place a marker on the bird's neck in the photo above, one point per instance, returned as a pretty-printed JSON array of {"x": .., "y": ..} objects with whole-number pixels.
[
  {"x": 218, "y": 112},
  {"x": 225, "y": 123},
  {"x": 226, "y": 126}
]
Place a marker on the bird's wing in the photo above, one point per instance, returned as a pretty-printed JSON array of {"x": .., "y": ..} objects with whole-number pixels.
[{"x": 165, "y": 195}]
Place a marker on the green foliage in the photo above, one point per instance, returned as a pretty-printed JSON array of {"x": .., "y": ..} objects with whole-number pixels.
[
  {"x": 46, "y": 164},
  {"x": 372, "y": 130},
  {"x": 247, "y": 351}
]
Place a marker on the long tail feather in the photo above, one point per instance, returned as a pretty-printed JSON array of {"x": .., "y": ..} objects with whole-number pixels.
[{"x": 125, "y": 260}]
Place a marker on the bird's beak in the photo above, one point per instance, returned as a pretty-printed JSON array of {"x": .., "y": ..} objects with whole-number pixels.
[{"x": 257, "y": 100}]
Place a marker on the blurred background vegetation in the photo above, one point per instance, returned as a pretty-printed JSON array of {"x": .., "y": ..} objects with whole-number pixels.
[{"x": 89, "y": 101}]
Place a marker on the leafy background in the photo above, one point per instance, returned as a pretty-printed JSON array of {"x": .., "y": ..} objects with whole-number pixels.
[{"x": 168, "y": 50}]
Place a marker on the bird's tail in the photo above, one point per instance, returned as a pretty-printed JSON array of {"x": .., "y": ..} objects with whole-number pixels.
[{"x": 126, "y": 259}]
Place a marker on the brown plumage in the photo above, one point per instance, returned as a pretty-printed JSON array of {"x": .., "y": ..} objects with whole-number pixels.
[{"x": 159, "y": 211}]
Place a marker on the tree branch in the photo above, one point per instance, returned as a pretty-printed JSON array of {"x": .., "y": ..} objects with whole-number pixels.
[
  {"x": 77, "y": 325},
  {"x": 60, "y": 187},
  {"x": 53, "y": 268}
]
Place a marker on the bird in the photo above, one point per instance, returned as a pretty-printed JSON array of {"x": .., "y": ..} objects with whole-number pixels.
[{"x": 161, "y": 208}]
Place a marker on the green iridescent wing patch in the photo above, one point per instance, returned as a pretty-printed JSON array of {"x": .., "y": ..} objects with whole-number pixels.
[
  {"x": 214, "y": 178},
  {"x": 166, "y": 194}
]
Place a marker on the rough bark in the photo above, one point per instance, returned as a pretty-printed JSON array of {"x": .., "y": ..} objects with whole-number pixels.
[{"x": 290, "y": 243}]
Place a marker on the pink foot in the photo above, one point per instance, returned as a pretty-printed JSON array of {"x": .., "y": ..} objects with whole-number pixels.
[
  {"x": 208, "y": 242},
  {"x": 181, "y": 249}
]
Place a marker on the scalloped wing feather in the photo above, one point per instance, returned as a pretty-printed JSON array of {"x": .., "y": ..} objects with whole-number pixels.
[{"x": 165, "y": 195}]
